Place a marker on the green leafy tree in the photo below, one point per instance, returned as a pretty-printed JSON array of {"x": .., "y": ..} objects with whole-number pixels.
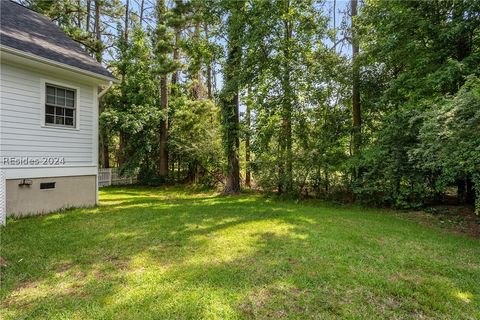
[
  {"x": 450, "y": 140},
  {"x": 416, "y": 53},
  {"x": 132, "y": 105},
  {"x": 284, "y": 39}
]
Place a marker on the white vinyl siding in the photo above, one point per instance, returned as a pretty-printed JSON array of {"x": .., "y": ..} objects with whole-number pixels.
[{"x": 23, "y": 131}]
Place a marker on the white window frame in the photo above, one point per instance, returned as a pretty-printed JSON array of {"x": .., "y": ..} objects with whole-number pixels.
[{"x": 43, "y": 100}]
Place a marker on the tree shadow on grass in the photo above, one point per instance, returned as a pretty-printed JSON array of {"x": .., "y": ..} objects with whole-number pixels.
[
  {"x": 157, "y": 256},
  {"x": 76, "y": 246}
]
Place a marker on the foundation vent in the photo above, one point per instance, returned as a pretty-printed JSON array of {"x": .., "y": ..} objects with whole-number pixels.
[{"x": 47, "y": 185}]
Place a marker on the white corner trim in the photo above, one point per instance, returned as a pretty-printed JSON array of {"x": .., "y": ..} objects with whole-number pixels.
[
  {"x": 95, "y": 136},
  {"x": 95, "y": 124},
  {"x": 3, "y": 199}
]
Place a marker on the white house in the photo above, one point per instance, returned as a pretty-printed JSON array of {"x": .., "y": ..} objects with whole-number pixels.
[{"x": 49, "y": 93}]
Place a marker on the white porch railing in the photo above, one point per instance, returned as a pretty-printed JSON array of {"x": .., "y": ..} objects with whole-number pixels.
[{"x": 111, "y": 177}]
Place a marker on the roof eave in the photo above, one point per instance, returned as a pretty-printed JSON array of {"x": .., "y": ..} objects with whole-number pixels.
[{"x": 56, "y": 63}]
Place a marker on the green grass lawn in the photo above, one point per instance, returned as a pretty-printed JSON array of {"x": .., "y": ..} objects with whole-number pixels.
[{"x": 172, "y": 254}]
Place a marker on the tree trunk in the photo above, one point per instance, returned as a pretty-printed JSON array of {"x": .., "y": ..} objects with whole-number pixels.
[
  {"x": 233, "y": 177},
  {"x": 87, "y": 21},
  {"x": 327, "y": 181},
  {"x": 461, "y": 191},
  {"x": 105, "y": 151},
  {"x": 470, "y": 191},
  {"x": 209, "y": 67},
  {"x": 176, "y": 50},
  {"x": 163, "y": 126},
  {"x": 192, "y": 169},
  {"x": 465, "y": 192},
  {"x": 127, "y": 13},
  {"x": 197, "y": 79},
  {"x": 230, "y": 99},
  {"x": 122, "y": 158},
  {"x": 335, "y": 25},
  {"x": 214, "y": 79},
  {"x": 172, "y": 168},
  {"x": 357, "y": 118},
  {"x": 163, "y": 165},
  {"x": 176, "y": 57},
  {"x": 79, "y": 14},
  {"x": 103, "y": 139},
  {"x": 179, "y": 170},
  {"x": 142, "y": 8},
  {"x": 98, "y": 35},
  {"x": 247, "y": 144},
  {"x": 286, "y": 168}
]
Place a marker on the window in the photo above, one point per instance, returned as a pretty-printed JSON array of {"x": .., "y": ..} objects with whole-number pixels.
[{"x": 60, "y": 106}]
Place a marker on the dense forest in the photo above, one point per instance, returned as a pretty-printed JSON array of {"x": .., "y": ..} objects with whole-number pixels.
[{"x": 375, "y": 101}]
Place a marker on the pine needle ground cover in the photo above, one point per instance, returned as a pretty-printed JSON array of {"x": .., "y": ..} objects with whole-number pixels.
[{"x": 148, "y": 253}]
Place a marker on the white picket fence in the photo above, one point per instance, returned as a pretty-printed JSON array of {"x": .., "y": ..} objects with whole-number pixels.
[{"x": 111, "y": 177}]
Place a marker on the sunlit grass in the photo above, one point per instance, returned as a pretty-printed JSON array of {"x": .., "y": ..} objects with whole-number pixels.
[
  {"x": 172, "y": 253},
  {"x": 464, "y": 296}
]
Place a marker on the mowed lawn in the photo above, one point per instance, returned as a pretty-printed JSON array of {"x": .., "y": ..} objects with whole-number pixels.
[{"x": 148, "y": 253}]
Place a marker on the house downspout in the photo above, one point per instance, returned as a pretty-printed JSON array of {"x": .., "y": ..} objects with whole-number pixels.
[{"x": 101, "y": 93}]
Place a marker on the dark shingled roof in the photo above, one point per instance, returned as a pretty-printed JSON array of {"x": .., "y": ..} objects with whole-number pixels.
[{"x": 31, "y": 32}]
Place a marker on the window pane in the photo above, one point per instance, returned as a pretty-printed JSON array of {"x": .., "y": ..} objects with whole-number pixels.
[
  {"x": 69, "y": 102},
  {"x": 59, "y": 120},
  {"x": 60, "y": 97},
  {"x": 50, "y": 90},
  {"x": 59, "y": 111},
  {"x": 68, "y": 121},
  {"x": 60, "y": 101},
  {"x": 70, "y": 94},
  {"x": 48, "y": 119},
  {"x": 69, "y": 112},
  {"x": 50, "y": 110},
  {"x": 50, "y": 99}
]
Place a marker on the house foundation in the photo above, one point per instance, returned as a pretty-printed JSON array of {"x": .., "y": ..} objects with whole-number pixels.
[{"x": 43, "y": 195}]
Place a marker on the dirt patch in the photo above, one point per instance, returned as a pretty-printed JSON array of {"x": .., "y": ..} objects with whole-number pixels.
[
  {"x": 26, "y": 285},
  {"x": 97, "y": 274},
  {"x": 459, "y": 219},
  {"x": 18, "y": 303},
  {"x": 293, "y": 262},
  {"x": 75, "y": 291},
  {"x": 254, "y": 302},
  {"x": 64, "y": 266},
  {"x": 117, "y": 262},
  {"x": 121, "y": 265},
  {"x": 413, "y": 279},
  {"x": 274, "y": 302},
  {"x": 112, "y": 258},
  {"x": 80, "y": 274},
  {"x": 3, "y": 262}
]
